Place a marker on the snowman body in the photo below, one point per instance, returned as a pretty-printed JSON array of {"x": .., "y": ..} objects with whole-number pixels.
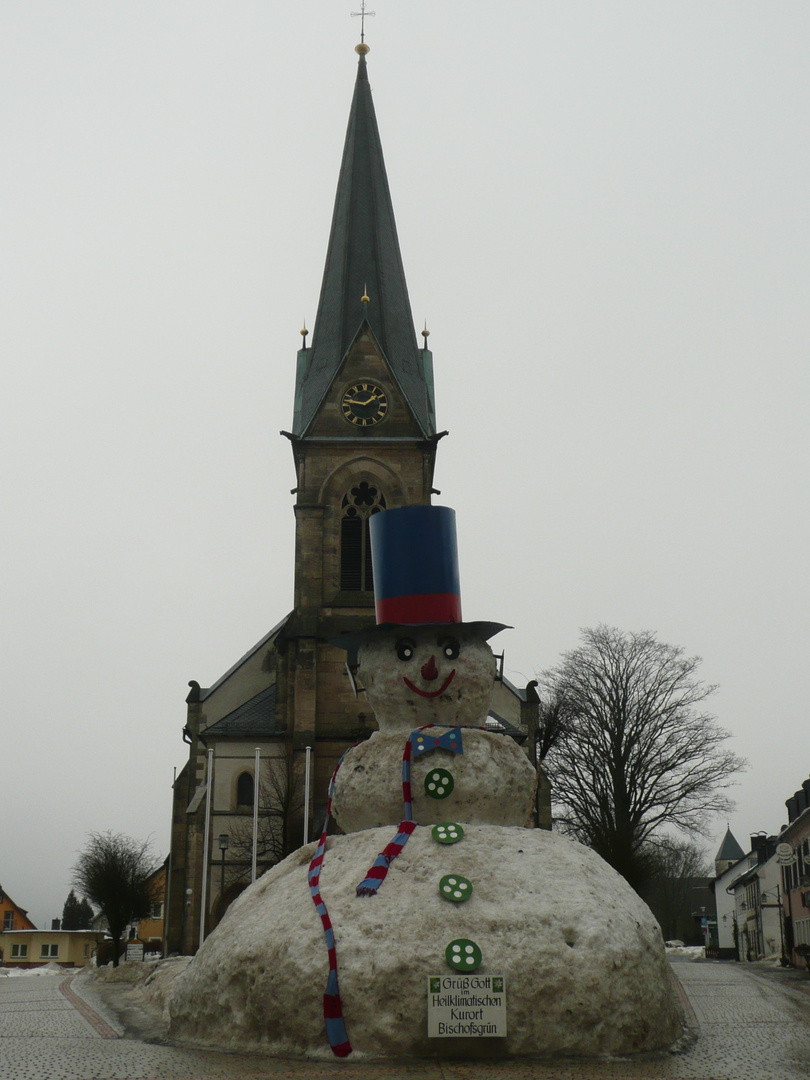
[{"x": 581, "y": 955}]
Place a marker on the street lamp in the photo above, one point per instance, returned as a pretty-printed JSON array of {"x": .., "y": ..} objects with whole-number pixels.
[
  {"x": 784, "y": 960},
  {"x": 223, "y": 847}
]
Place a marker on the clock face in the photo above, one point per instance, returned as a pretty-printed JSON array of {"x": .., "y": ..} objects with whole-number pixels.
[{"x": 364, "y": 404}]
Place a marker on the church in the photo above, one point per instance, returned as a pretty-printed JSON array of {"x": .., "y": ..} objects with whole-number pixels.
[{"x": 265, "y": 737}]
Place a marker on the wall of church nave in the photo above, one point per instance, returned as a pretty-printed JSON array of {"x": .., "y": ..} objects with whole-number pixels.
[{"x": 234, "y": 759}]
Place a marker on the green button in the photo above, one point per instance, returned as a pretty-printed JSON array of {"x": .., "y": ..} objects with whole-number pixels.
[
  {"x": 447, "y": 833},
  {"x": 463, "y": 955},
  {"x": 455, "y": 888},
  {"x": 438, "y": 784}
]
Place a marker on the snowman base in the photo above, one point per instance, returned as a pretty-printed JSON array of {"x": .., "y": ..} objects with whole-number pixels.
[{"x": 582, "y": 955}]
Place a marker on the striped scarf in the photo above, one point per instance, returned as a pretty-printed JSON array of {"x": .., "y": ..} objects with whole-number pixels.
[{"x": 332, "y": 1009}]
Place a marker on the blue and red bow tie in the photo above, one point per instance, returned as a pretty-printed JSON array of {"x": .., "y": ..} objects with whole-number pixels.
[{"x": 422, "y": 743}]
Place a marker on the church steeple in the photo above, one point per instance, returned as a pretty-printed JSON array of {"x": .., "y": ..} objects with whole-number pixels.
[{"x": 363, "y": 280}]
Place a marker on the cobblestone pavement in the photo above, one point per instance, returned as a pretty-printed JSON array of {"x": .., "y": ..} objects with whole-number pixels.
[{"x": 744, "y": 1026}]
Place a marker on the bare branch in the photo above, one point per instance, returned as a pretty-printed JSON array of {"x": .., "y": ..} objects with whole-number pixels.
[{"x": 637, "y": 750}]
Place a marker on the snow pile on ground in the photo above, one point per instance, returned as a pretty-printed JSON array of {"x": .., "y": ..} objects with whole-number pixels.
[
  {"x": 773, "y": 961},
  {"x": 128, "y": 971},
  {"x": 686, "y": 952},
  {"x": 582, "y": 955},
  {"x": 46, "y": 969},
  {"x": 150, "y": 981}
]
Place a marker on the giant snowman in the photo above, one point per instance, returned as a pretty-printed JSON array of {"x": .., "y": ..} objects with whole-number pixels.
[{"x": 437, "y": 895}]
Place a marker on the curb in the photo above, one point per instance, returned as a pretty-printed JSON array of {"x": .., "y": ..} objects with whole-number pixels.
[{"x": 90, "y": 1015}]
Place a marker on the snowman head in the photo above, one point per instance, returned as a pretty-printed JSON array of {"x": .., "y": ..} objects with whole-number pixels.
[
  {"x": 421, "y": 664},
  {"x": 435, "y": 674}
]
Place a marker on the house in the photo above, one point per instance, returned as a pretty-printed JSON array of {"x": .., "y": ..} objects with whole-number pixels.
[
  {"x": 13, "y": 917},
  {"x": 730, "y": 863},
  {"x": 31, "y": 948},
  {"x": 364, "y": 439},
  {"x": 757, "y": 906},
  {"x": 793, "y": 854},
  {"x": 150, "y": 930}
]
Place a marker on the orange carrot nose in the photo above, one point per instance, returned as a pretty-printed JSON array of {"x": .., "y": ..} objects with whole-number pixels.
[{"x": 430, "y": 671}]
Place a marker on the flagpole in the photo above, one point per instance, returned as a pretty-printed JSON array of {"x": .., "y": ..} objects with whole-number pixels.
[
  {"x": 204, "y": 894},
  {"x": 306, "y": 795},
  {"x": 256, "y": 767}
]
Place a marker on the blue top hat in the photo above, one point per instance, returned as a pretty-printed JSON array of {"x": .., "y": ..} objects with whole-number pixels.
[{"x": 414, "y": 555}]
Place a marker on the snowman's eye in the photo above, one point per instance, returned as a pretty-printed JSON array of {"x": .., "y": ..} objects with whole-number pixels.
[
  {"x": 451, "y": 648},
  {"x": 405, "y": 648}
]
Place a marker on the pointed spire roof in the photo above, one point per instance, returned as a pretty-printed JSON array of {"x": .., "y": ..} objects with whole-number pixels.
[
  {"x": 730, "y": 851},
  {"x": 363, "y": 259}
]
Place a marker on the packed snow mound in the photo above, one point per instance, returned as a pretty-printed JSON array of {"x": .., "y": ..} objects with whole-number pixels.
[
  {"x": 582, "y": 955},
  {"x": 685, "y": 952},
  {"x": 494, "y": 782},
  {"x": 151, "y": 980},
  {"x": 44, "y": 969},
  {"x": 466, "y": 678}
]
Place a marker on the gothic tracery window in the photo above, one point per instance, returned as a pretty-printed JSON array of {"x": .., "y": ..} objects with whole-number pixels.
[{"x": 356, "y": 509}]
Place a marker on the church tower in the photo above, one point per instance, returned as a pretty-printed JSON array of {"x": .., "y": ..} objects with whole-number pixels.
[
  {"x": 364, "y": 440},
  {"x": 364, "y": 428}
]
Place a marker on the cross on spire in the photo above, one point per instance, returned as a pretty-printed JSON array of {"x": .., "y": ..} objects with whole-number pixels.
[{"x": 362, "y": 13}]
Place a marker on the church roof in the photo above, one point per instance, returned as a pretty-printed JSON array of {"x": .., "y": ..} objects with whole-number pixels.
[
  {"x": 730, "y": 851},
  {"x": 265, "y": 641},
  {"x": 255, "y": 719},
  {"x": 363, "y": 259}
]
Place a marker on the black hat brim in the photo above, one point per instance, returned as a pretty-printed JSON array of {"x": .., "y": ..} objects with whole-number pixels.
[{"x": 351, "y": 642}]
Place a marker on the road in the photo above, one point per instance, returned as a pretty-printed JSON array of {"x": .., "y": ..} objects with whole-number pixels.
[{"x": 743, "y": 1026}]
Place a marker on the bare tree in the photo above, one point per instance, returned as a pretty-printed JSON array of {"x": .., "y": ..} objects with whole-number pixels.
[
  {"x": 281, "y": 806},
  {"x": 678, "y": 870},
  {"x": 113, "y": 873},
  {"x": 554, "y": 721},
  {"x": 640, "y": 753}
]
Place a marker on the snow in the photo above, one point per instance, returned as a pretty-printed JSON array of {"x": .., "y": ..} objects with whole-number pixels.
[
  {"x": 686, "y": 952},
  {"x": 582, "y": 956},
  {"x": 45, "y": 969},
  {"x": 493, "y": 782}
]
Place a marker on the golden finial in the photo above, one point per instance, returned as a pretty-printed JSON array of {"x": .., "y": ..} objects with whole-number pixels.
[
  {"x": 425, "y": 334},
  {"x": 363, "y": 49},
  {"x": 364, "y": 299},
  {"x": 304, "y": 333}
]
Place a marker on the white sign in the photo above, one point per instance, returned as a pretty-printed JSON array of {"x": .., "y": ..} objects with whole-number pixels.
[
  {"x": 134, "y": 950},
  {"x": 784, "y": 854},
  {"x": 466, "y": 1005}
]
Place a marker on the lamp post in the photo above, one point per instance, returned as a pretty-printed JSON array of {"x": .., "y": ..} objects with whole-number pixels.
[{"x": 223, "y": 847}]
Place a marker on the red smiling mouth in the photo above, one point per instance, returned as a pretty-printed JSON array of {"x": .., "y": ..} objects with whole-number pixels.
[{"x": 430, "y": 693}]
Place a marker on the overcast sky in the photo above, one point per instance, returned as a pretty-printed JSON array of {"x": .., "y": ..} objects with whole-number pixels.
[{"x": 603, "y": 211}]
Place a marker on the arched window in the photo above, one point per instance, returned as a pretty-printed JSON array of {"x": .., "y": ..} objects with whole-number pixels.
[
  {"x": 358, "y": 505},
  {"x": 244, "y": 790}
]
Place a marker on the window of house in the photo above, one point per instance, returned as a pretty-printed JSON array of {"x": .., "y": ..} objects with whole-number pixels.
[
  {"x": 8, "y": 920},
  {"x": 157, "y": 910},
  {"x": 48, "y": 952},
  {"x": 244, "y": 790},
  {"x": 19, "y": 951},
  {"x": 356, "y": 510}
]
